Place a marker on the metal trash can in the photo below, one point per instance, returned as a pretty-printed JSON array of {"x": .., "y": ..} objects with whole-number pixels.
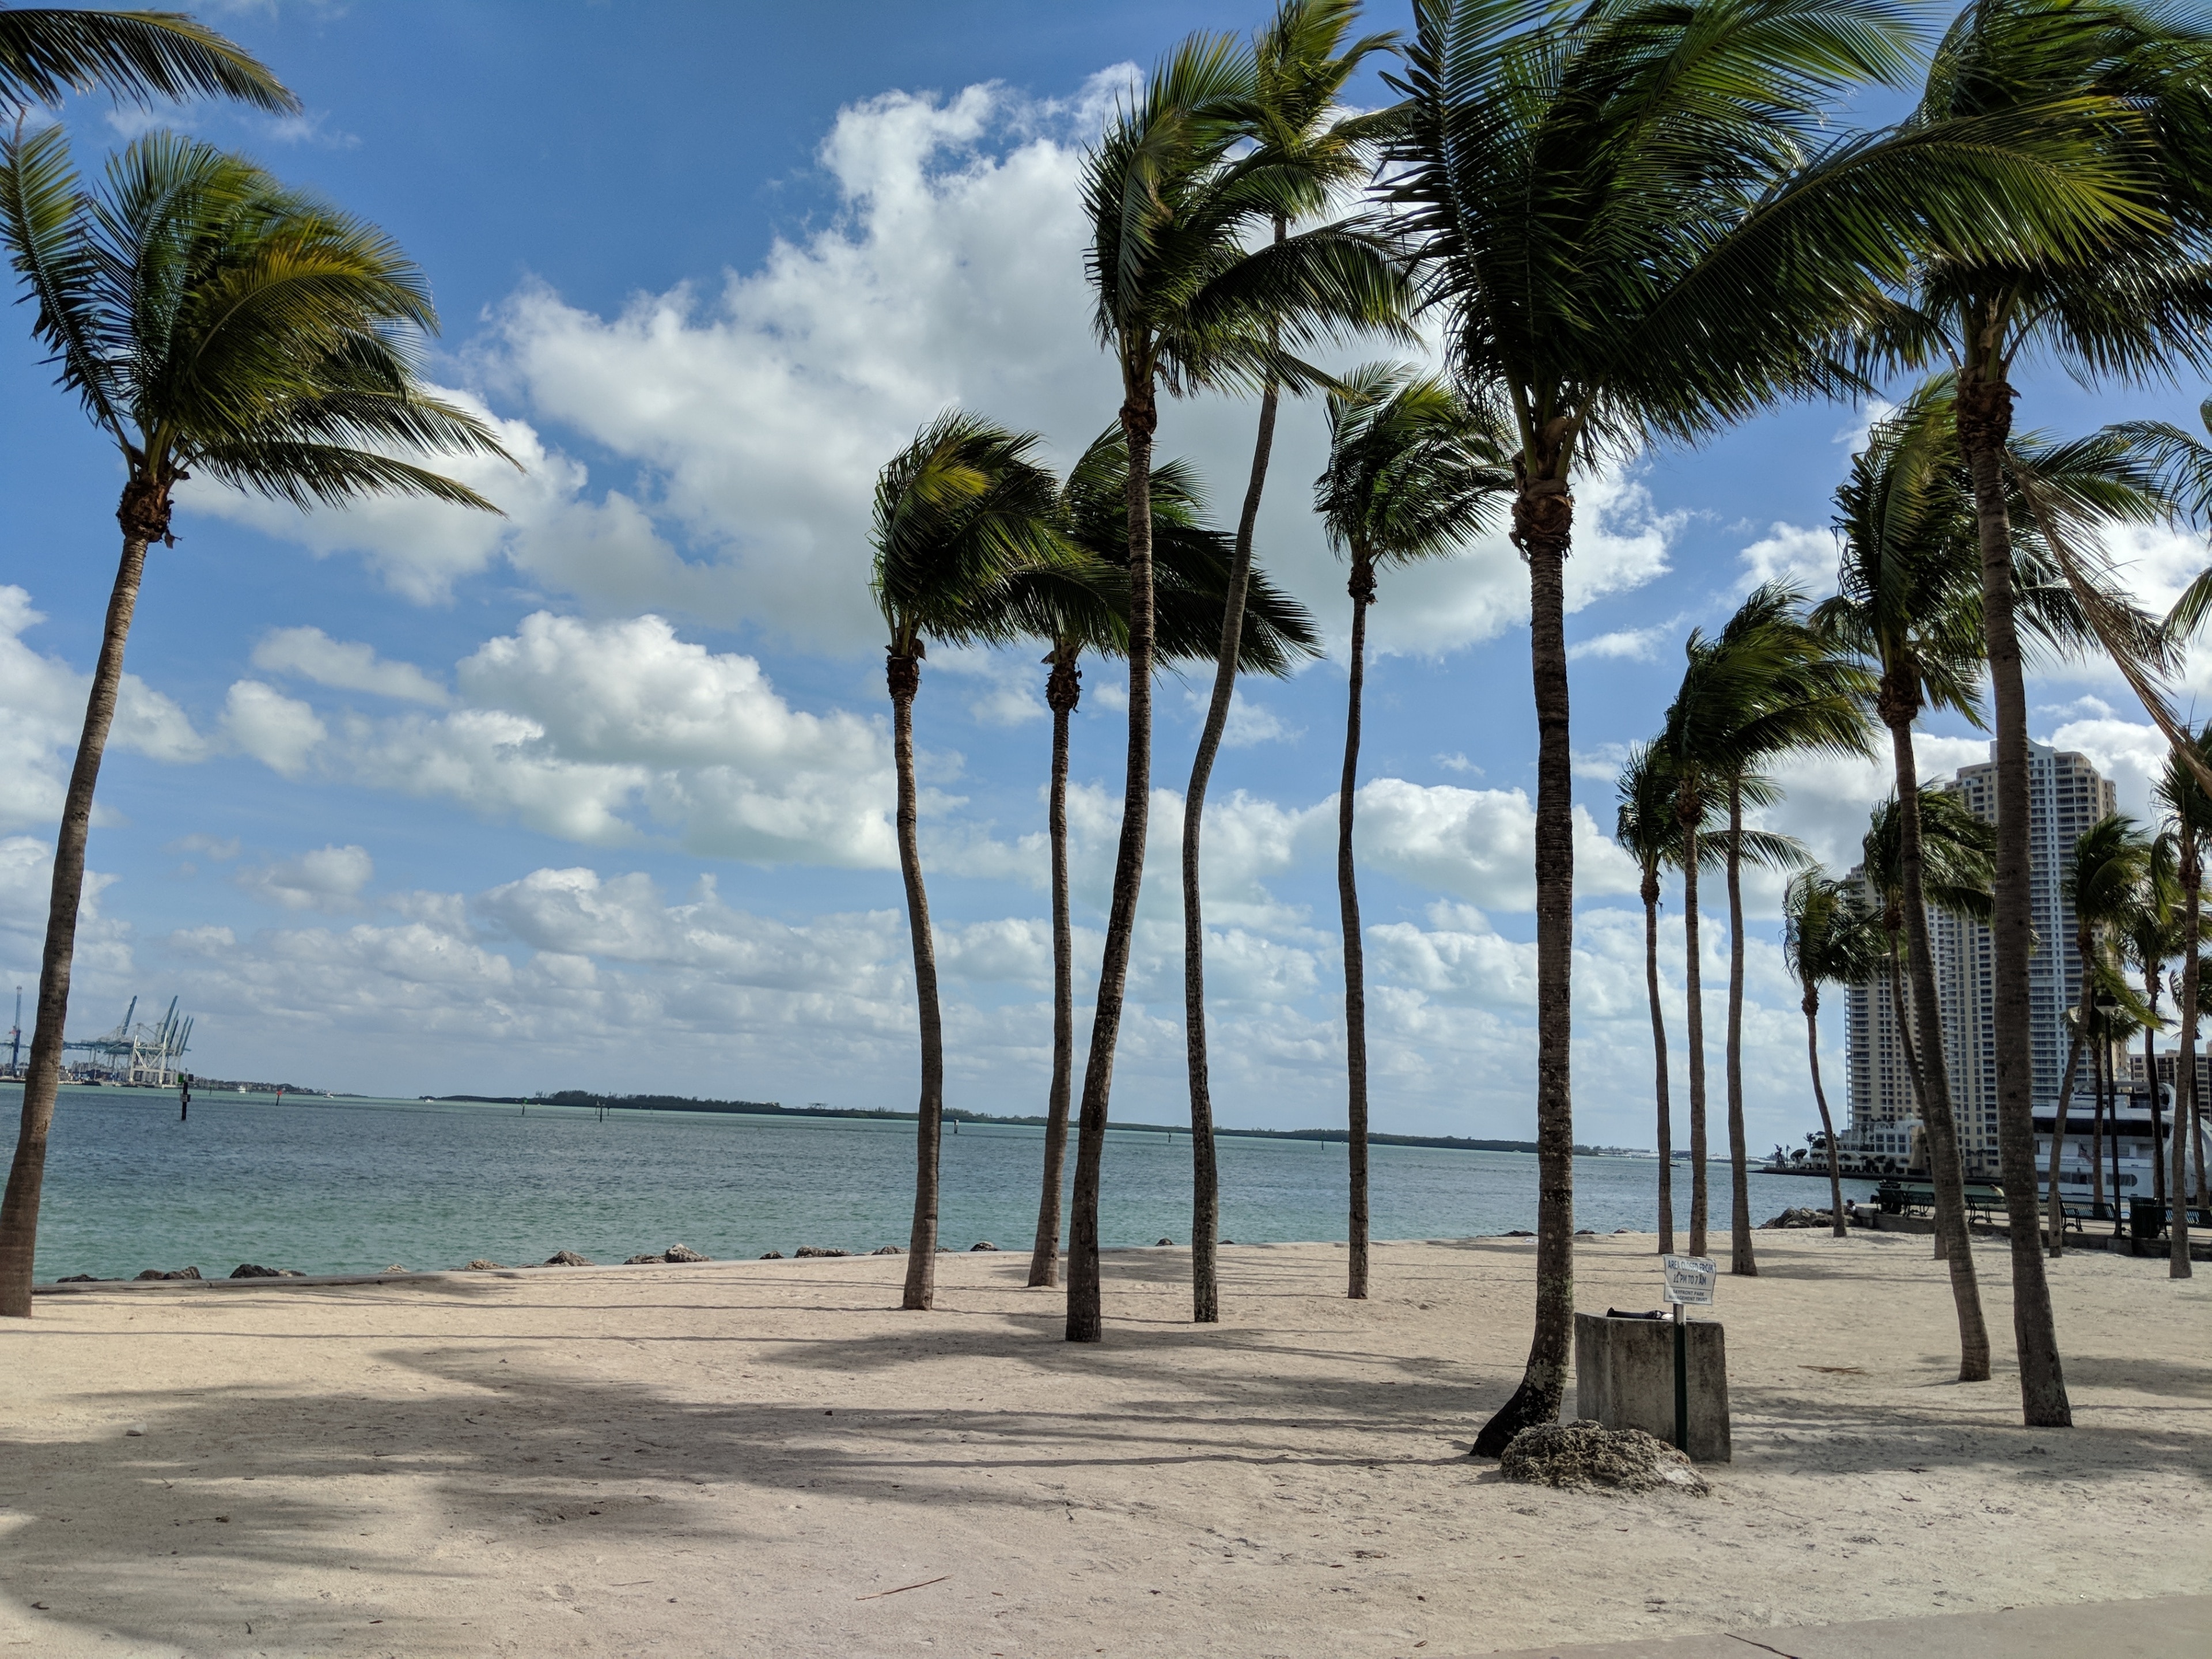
[
  {"x": 2146, "y": 1219},
  {"x": 1624, "y": 1379}
]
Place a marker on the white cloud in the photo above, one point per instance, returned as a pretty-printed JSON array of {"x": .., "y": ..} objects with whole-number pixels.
[
  {"x": 344, "y": 666},
  {"x": 279, "y": 732},
  {"x": 1788, "y": 552},
  {"x": 42, "y": 714},
  {"x": 2132, "y": 753},
  {"x": 1476, "y": 844},
  {"x": 327, "y": 878}
]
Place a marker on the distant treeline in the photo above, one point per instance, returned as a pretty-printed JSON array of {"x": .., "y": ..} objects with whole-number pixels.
[{"x": 773, "y": 1108}]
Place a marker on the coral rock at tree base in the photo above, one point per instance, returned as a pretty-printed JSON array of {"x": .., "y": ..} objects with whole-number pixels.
[{"x": 1581, "y": 1455}]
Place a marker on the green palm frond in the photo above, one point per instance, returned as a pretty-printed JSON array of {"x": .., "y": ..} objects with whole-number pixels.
[
  {"x": 214, "y": 321},
  {"x": 1828, "y": 935},
  {"x": 48, "y": 52},
  {"x": 1958, "y": 856},
  {"x": 960, "y": 512}
]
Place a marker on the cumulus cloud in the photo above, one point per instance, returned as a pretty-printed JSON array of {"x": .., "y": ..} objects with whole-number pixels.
[
  {"x": 344, "y": 666},
  {"x": 327, "y": 878},
  {"x": 279, "y": 732},
  {"x": 1476, "y": 844},
  {"x": 43, "y": 700},
  {"x": 1791, "y": 553}
]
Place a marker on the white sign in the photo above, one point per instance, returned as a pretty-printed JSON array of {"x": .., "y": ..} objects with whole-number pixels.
[{"x": 1691, "y": 1278}]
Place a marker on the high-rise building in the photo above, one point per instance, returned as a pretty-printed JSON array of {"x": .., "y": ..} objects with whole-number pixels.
[{"x": 2066, "y": 795}]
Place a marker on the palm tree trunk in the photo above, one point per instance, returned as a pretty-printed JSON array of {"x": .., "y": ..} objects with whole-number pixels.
[
  {"x": 1086, "y": 1319},
  {"x": 1694, "y": 996},
  {"x": 1984, "y": 418},
  {"x": 1205, "y": 1165},
  {"x": 2055, "y": 1208},
  {"x": 903, "y": 671},
  {"x": 1063, "y": 689},
  {"x": 2184, "y": 1063},
  {"x": 1741, "y": 1260},
  {"x": 2097, "y": 1125},
  {"x": 2150, "y": 1090},
  {"x": 1659, "y": 1062},
  {"x": 1812, "y": 1006},
  {"x": 2113, "y": 1113},
  {"x": 19, "y": 1209},
  {"x": 1362, "y": 587},
  {"x": 1543, "y": 526},
  {"x": 1945, "y": 1169}
]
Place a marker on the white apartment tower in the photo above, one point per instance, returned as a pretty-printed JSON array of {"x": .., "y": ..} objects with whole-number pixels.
[{"x": 2065, "y": 797}]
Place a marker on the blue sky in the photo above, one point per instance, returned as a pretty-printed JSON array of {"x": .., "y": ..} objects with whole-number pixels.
[{"x": 406, "y": 801}]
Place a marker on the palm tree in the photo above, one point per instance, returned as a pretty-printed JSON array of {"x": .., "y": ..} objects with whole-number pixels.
[
  {"x": 1767, "y": 685},
  {"x": 961, "y": 515},
  {"x": 1633, "y": 228},
  {"x": 1412, "y": 474},
  {"x": 1191, "y": 566},
  {"x": 48, "y": 52},
  {"x": 211, "y": 322},
  {"x": 2149, "y": 932},
  {"x": 2182, "y": 793},
  {"x": 2129, "y": 82},
  {"x": 1826, "y": 938},
  {"x": 1306, "y": 149},
  {"x": 1647, "y": 828},
  {"x": 2108, "y": 863},
  {"x": 1955, "y": 851},
  {"x": 1182, "y": 305}
]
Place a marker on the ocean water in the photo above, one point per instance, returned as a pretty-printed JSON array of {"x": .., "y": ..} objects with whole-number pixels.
[{"x": 353, "y": 1186}]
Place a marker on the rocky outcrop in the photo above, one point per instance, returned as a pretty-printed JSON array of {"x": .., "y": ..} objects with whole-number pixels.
[
  {"x": 985, "y": 1245},
  {"x": 1582, "y": 1455},
  {"x": 255, "y": 1270},
  {"x": 569, "y": 1259},
  {"x": 816, "y": 1249},
  {"x": 484, "y": 1265},
  {"x": 771, "y": 1256},
  {"x": 395, "y": 1267},
  {"x": 1801, "y": 1218},
  {"x": 887, "y": 1249},
  {"x": 173, "y": 1273},
  {"x": 683, "y": 1253}
]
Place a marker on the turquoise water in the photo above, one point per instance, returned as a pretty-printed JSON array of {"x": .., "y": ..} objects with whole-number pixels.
[{"x": 353, "y": 1186}]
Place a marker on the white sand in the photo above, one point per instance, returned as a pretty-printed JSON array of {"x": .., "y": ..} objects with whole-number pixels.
[{"x": 725, "y": 1460}]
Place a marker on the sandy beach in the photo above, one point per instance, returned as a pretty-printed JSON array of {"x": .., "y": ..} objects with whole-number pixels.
[{"x": 759, "y": 1458}]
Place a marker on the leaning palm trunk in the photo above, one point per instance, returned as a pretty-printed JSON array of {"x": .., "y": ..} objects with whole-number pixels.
[
  {"x": 145, "y": 516},
  {"x": 1543, "y": 526},
  {"x": 1063, "y": 689},
  {"x": 1205, "y": 1169},
  {"x": 1085, "y": 1300},
  {"x": 2097, "y": 1127},
  {"x": 1362, "y": 587},
  {"x": 1741, "y": 1260},
  {"x": 2150, "y": 1089},
  {"x": 1659, "y": 1064},
  {"x": 1945, "y": 1169},
  {"x": 1812, "y": 1007},
  {"x": 903, "y": 673},
  {"x": 2184, "y": 1067},
  {"x": 1694, "y": 999},
  {"x": 1985, "y": 423}
]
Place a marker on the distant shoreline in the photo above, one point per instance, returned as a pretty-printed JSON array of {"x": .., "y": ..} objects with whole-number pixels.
[{"x": 577, "y": 1098}]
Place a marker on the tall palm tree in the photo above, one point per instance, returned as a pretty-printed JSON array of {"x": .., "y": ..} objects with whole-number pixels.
[
  {"x": 1649, "y": 830},
  {"x": 210, "y": 321},
  {"x": 1183, "y": 305},
  {"x": 2149, "y": 934},
  {"x": 1633, "y": 228},
  {"x": 2107, "y": 864},
  {"x": 1412, "y": 474},
  {"x": 1955, "y": 853},
  {"x": 1766, "y": 686},
  {"x": 1306, "y": 149},
  {"x": 1827, "y": 938},
  {"x": 1191, "y": 566},
  {"x": 2186, "y": 801},
  {"x": 961, "y": 514},
  {"x": 2131, "y": 83},
  {"x": 47, "y": 51}
]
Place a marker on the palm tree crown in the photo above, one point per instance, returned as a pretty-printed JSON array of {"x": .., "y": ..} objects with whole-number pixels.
[{"x": 47, "y": 51}]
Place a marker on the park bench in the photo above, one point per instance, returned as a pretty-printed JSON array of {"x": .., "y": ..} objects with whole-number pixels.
[{"x": 1984, "y": 1200}]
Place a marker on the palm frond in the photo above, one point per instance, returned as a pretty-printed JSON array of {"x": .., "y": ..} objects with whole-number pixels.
[{"x": 45, "y": 52}]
